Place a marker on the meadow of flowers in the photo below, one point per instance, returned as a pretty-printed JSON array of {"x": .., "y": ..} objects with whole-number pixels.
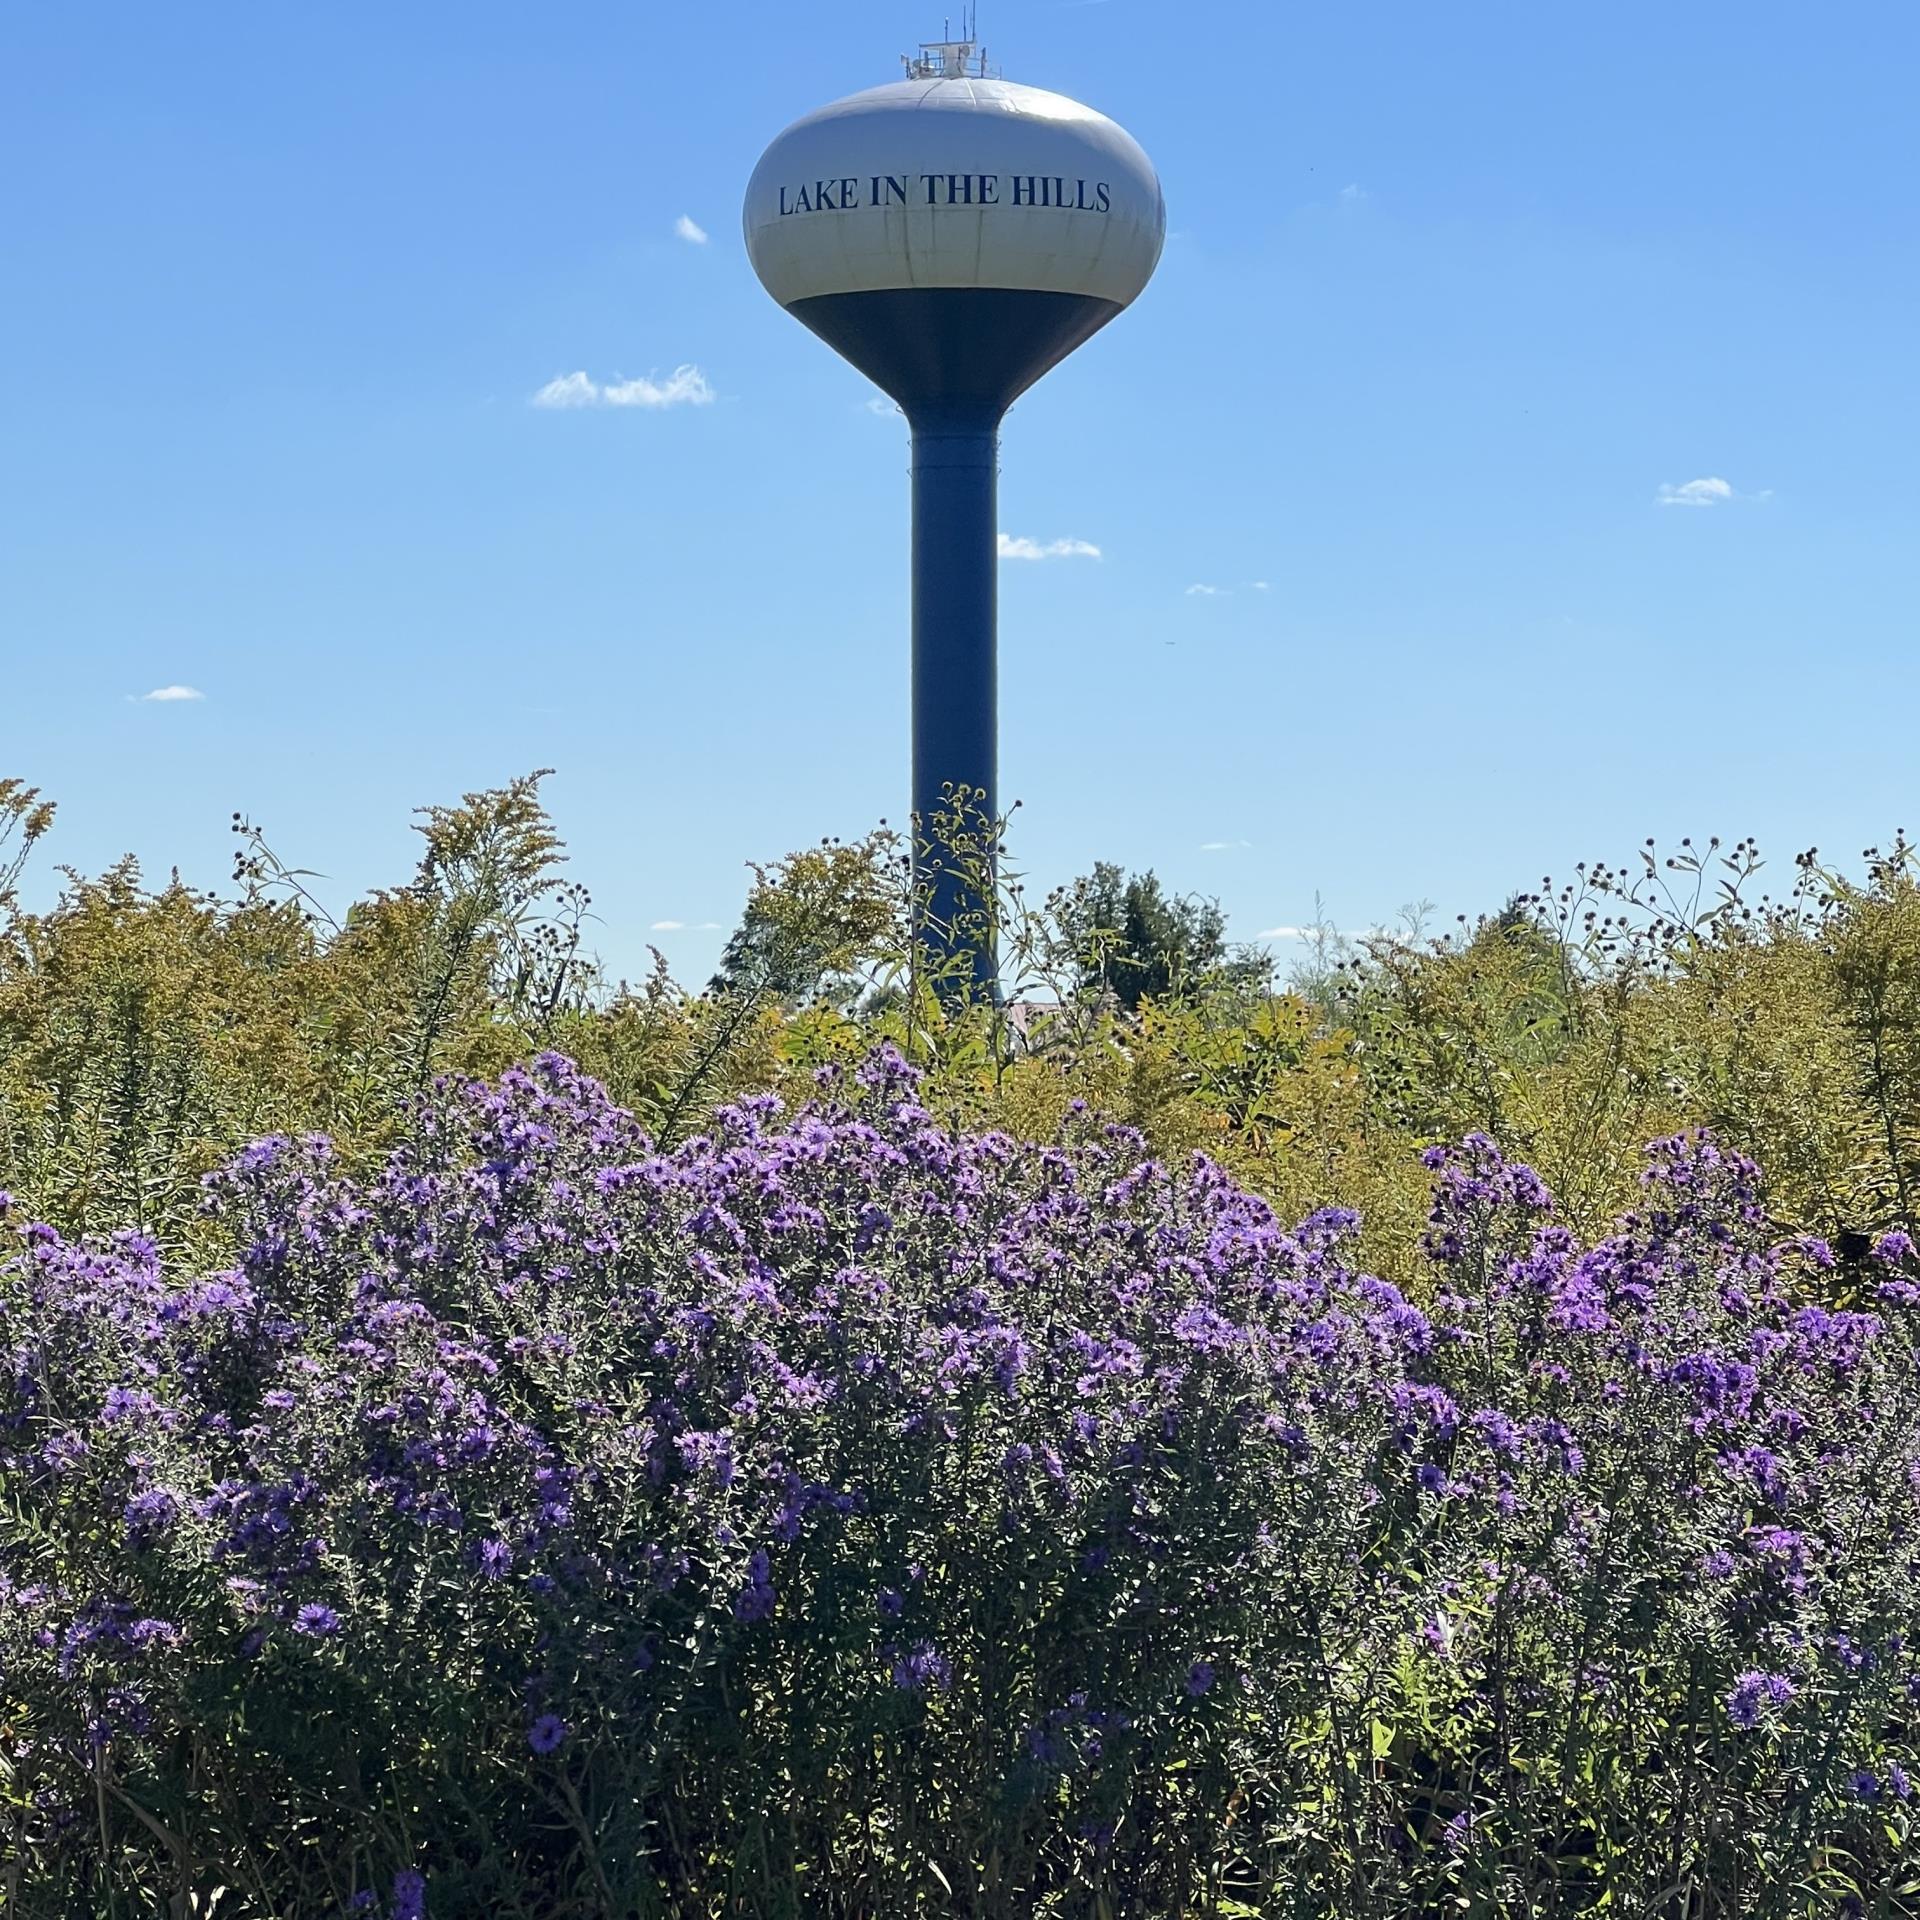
[{"x": 839, "y": 1514}]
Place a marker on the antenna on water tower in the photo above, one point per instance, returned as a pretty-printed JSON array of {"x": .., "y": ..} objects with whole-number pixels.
[{"x": 955, "y": 242}]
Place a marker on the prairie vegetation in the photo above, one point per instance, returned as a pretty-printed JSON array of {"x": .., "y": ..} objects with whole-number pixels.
[
  {"x": 147, "y": 1032},
  {"x": 478, "y": 1437}
]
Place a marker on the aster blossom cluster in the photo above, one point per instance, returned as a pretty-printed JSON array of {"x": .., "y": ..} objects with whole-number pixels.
[{"x": 837, "y": 1507}]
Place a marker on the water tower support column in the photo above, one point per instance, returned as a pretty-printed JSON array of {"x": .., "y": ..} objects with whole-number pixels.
[{"x": 956, "y": 596}]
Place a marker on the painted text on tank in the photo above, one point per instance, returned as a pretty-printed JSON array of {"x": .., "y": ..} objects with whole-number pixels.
[{"x": 947, "y": 190}]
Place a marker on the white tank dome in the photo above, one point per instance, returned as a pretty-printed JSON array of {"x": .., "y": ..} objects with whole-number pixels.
[{"x": 955, "y": 182}]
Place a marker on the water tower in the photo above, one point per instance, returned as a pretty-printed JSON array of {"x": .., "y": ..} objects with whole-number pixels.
[{"x": 955, "y": 236}]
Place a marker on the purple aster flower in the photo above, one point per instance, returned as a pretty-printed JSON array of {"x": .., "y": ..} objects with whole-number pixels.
[
  {"x": 547, "y": 1733},
  {"x": 1753, "y": 1693},
  {"x": 150, "y": 1517},
  {"x": 1199, "y": 1677},
  {"x": 316, "y": 1621},
  {"x": 128, "y": 1403},
  {"x": 409, "y": 1895},
  {"x": 755, "y": 1601},
  {"x": 922, "y": 1667}
]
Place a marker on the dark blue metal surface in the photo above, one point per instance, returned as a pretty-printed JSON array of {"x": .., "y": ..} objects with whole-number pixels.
[
  {"x": 955, "y": 358},
  {"x": 956, "y": 601},
  {"x": 946, "y": 347}
]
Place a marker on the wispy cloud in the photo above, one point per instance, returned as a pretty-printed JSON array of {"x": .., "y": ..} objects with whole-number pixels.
[
  {"x": 685, "y": 386},
  {"x": 569, "y": 390},
  {"x": 1314, "y": 933},
  {"x": 1353, "y": 193},
  {"x": 1205, "y": 592},
  {"x": 690, "y": 230},
  {"x": 685, "y": 926},
  {"x": 1019, "y": 547},
  {"x": 164, "y": 695},
  {"x": 1261, "y": 586},
  {"x": 1710, "y": 492},
  {"x": 881, "y": 407},
  {"x": 1223, "y": 846}
]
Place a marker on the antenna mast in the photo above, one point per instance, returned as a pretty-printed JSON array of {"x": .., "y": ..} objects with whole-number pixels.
[{"x": 950, "y": 59}]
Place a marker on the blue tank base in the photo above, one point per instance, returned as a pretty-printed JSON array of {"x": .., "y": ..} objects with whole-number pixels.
[{"x": 954, "y": 348}]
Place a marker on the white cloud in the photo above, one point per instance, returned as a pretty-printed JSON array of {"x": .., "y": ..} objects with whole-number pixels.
[
  {"x": 690, "y": 230},
  {"x": 570, "y": 390},
  {"x": 1314, "y": 933},
  {"x": 1260, "y": 586},
  {"x": 685, "y": 386},
  {"x": 668, "y": 926},
  {"x": 1353, "y": 193},
  {"x": 1223, "y": 846},
  {"x": 1019, "y": 547},
  {"x": 881, "y": 407},
  {"x": 1206, "y": 592},
  {"x": 170, "y": 694},
  {"x": 1710, "y": 492}
]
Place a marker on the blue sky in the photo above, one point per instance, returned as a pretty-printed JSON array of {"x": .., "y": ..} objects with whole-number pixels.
[{"x": 1453, "y": 294}]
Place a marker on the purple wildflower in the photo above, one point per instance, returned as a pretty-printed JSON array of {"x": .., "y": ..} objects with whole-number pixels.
[
  {"x": 921, "y": 1668},
  {"x": 1753, "y": 1693},
  {"x": 755, "y": 1601}
]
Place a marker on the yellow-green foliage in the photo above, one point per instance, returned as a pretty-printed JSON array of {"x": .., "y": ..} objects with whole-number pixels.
[{"x": 145, "y": 1032}]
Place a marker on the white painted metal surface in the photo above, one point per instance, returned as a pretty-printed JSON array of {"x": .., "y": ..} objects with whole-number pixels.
[{"x": 961, "y": 182}]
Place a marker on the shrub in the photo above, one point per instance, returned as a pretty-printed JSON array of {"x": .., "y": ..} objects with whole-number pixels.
[
  {"x": 836, "y": 1515},
  {"x": 147, "y": 1033}
]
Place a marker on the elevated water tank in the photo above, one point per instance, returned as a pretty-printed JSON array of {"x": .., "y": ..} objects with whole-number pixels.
[{"x": 954, "y": 235}]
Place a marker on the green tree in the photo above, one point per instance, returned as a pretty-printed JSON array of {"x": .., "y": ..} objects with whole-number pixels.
[{"x": 1132, "y": 938}]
